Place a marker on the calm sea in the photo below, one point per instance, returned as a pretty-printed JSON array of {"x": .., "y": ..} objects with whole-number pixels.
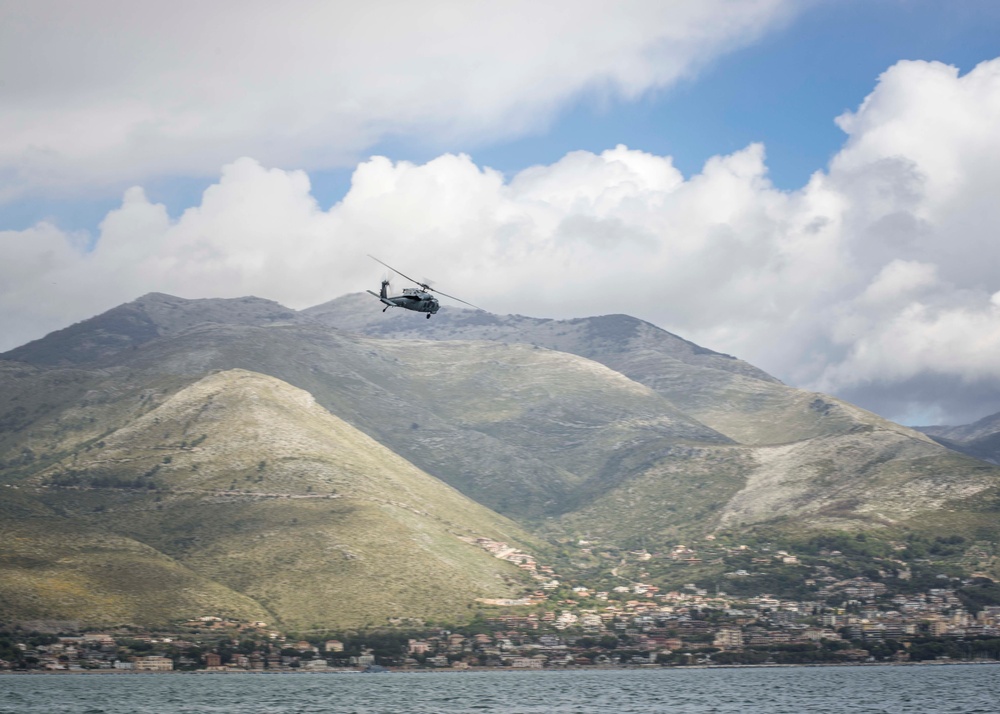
[{"x": 962, "y": 689}]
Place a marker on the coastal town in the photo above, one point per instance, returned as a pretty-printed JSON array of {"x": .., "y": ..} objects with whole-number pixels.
[{"x": 876, "y": 618}]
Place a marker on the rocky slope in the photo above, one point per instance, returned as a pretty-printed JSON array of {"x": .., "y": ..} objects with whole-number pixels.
[
  {"x": 240, "y": 475},
  {"x": 331, "y": 466},
  {"x": 980, "y": 439},
  {"x": 720, "y": 391},
  {"x": 804, "y": 455},
  {"x": 135, "y": 323}
]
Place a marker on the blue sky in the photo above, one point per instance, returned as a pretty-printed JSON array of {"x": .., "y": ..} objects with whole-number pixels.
[
  {"x": 784, "y": 90},
  {"x": 871, "y": 283}
]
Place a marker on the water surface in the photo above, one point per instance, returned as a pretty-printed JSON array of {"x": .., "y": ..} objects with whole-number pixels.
[{"x": 929, "y": 689}]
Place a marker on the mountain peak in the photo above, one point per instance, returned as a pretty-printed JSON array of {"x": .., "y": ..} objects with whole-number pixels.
[
  {"x": 258, "y": 460},
  {"x": 593, "y": 337},
  {"x": 219, "y": 483},
  {"x": 146, "y": 318}
]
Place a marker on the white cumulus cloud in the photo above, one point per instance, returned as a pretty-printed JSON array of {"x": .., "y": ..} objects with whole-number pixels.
[
  {"x": 107, "y": 91},
  {"x": 876, "y": 280}
]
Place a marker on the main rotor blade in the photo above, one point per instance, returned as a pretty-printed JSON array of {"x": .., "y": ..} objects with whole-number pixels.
[
  {"x": 396, "y": 271},
  {"x": 425, "y": 286},
  {"x": 455, "y": 298}
]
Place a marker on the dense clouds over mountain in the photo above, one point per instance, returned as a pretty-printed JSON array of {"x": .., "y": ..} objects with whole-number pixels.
[{"x": 255, "y": 460}]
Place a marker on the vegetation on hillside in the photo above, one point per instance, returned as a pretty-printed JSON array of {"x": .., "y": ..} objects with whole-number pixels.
[{"x": 250, "y": 460}]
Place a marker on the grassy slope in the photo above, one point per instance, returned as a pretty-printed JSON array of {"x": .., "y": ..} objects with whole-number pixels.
[
  {"x": 813, "y": 459},
  {"x": 527, "y": 430},
  {"x": 287, "y": 504},
  {"x": 59, "y": 568}
]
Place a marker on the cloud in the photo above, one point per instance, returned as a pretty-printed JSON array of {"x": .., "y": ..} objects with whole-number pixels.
[
  {"x": 112, "y": 91},
  {"x": 875, "y": 281}
]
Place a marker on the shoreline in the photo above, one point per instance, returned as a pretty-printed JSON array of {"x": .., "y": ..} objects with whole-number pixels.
[{"x": 471, "y": 670}]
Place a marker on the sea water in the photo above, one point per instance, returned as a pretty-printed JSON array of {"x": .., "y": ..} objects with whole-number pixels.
[{"x": 927, "y": 689}]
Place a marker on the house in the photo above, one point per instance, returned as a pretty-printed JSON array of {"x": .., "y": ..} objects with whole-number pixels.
[
  {"x": 728, "y": 638},
  {"x": 314, "y": 665},
  {"x": 536, "y": 662},
  {"x": 154, "y": 663}
]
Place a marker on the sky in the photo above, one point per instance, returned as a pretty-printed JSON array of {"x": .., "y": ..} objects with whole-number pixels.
[{"x": 809, "y": 185}]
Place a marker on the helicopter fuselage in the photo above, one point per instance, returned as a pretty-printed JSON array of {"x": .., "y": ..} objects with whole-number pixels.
[
  {"x": 418, "y": 300},
  {"x": 411, "y": 299}
]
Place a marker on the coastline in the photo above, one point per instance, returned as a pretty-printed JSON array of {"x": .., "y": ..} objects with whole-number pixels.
[{"x": 510, "y": 670}]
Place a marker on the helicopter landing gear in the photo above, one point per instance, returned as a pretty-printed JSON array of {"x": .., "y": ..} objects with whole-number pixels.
[
  {"x": 385, "y": 308},
  {"x": 428, "y": 317}
]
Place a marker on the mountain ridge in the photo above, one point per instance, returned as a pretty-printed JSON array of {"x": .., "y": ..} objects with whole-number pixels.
[
  {"x": 142, "y": 320},
  {"x": 247, "y": 449},
  {"x": 626, "y": 434},
  {"x": 695, "y": 379},
  {"x": 981, "y": 439}
]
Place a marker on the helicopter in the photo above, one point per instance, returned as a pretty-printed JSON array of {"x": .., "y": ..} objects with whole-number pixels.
[{"x": 419, "y": 300}]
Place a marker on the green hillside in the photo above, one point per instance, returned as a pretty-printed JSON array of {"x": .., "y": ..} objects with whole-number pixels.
[
  {"x": 286, "y": 512},
  {"x": 243, "y": 459}
]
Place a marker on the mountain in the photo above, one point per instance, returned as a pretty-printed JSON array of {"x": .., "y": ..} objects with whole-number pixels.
[
  {"x": 528, "y": 432},
  {"x": 721, "y": 391},
  {"x": 336, "y": 466},
  {"x": 135, "y": 323},
  {"x": 796, "y": 453},
  {"x": 980, "y": 439},
  {"x": 240, "y": 475}
]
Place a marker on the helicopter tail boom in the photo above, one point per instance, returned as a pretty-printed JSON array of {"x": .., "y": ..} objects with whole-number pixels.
[{"x": 382, "y": 297}]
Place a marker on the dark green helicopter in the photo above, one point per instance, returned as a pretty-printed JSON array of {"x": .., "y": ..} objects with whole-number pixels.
[{"x": 418, "y": 300}]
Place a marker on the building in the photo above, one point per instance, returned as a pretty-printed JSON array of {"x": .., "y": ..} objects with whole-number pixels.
[
  {"x": 154, "y": 663},
  {"x": 729, "y": 638},
  {"x": 417, "y": 647},
  {"x": 528, "y": 662}
]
